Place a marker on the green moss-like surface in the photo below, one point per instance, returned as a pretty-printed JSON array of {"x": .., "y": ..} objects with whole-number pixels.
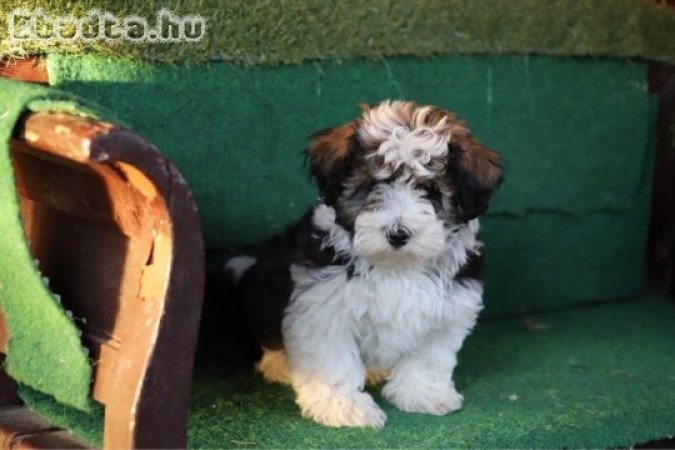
[
  {"x": 291, "y": 31},
  {"x": 600, "y": 376},
  {"x": 586, "y": 377},
  {"x": 574, "y": 134},
  {"x": 44, "y": 350}
]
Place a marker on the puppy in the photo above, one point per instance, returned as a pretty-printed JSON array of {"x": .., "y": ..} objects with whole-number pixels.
[{"x": 379, "y": 280}]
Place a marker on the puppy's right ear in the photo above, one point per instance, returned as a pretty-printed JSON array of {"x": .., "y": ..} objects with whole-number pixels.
[{"x": 330, "y": 156}]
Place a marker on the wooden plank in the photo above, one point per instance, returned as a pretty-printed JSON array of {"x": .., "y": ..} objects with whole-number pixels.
[
  {"x": 161, "y": 415},
  {"x": 32, "y": 69},
  {"x": 58, "y": 439},
  {"x": 110, "y": 183},
  {"x": 19, "y": 420},
  {"x": 21, "y": 428},
  {"x": 62, "y": 135}
]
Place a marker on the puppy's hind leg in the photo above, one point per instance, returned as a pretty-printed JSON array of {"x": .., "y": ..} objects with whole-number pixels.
[{"x": 273, "y": 367}]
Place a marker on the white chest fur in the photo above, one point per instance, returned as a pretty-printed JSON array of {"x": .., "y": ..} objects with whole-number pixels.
[{"x": 387, "y": 313}]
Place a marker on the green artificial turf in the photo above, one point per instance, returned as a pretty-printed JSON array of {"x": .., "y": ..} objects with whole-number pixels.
[
  {"x": 44, "y": 350},
  {"x": 568, "y": 225},
  {"x": 594, "y": 376},
  {"x": 291, "y": 31},
  {"x": 586, "y": 377}
]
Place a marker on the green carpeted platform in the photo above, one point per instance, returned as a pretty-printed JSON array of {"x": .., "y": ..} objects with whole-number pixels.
[{"x": 593, "y": 376}]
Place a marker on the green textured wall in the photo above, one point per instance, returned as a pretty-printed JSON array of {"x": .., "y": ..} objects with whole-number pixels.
[{"x": 568, "y": 225}]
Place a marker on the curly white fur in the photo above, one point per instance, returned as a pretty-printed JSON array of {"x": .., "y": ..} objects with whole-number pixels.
[{"x": 404, "y": 136}]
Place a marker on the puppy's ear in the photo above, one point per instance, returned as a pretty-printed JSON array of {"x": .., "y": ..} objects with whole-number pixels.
[
  {"x": 330, "y": 154},
  {"x": 477, "y": 172}
]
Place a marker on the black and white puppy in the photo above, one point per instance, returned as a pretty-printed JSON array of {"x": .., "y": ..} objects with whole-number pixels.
[{"x": 378, "y": 281}]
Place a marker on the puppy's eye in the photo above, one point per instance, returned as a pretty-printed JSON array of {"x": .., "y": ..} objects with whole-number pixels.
[{"x": 434, "y": 195}]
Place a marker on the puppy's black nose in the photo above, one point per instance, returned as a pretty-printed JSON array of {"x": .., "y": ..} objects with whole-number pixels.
[{"x": 399, "y": 237}]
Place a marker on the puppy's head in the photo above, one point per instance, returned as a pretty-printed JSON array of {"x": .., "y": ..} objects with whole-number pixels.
[{"x": 403, "y": 179}]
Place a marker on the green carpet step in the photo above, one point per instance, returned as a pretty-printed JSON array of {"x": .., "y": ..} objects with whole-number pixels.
[{"x": 592, "y": 376}]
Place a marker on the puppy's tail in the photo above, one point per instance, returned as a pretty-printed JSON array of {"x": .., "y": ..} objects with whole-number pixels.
[
  {"x": 237, "y": 266},
  {"x": 225, "y": 333}
]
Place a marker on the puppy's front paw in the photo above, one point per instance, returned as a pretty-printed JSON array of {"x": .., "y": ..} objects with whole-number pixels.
[
  {"x": 423, "y": 399},
  {"x": 355, "y": 410}
]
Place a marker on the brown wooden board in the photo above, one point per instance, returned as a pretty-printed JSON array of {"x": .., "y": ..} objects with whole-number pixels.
[
  {"x": 115, "y": 229},
  {"x": 32, "y": 69},
  {"x": 21, "y": 428}
]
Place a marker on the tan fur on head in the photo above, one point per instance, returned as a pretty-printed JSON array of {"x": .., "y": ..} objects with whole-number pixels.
[
  {"x": 331, "y": 146},
  {"x": 328, "y": 155}
]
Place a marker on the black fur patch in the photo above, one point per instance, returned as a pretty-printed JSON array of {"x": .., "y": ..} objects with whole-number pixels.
[
  {"x": 472, "y": 269},
  {"x": 267, "y": 286},
  {"x": 433, "y": 194},
  {"x": 350, "y": 271}
]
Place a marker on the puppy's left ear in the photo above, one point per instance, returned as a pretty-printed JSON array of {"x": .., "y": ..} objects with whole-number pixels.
[
  {"x": 330, "y": 156},
  {"x": 477, "y": 172}
]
